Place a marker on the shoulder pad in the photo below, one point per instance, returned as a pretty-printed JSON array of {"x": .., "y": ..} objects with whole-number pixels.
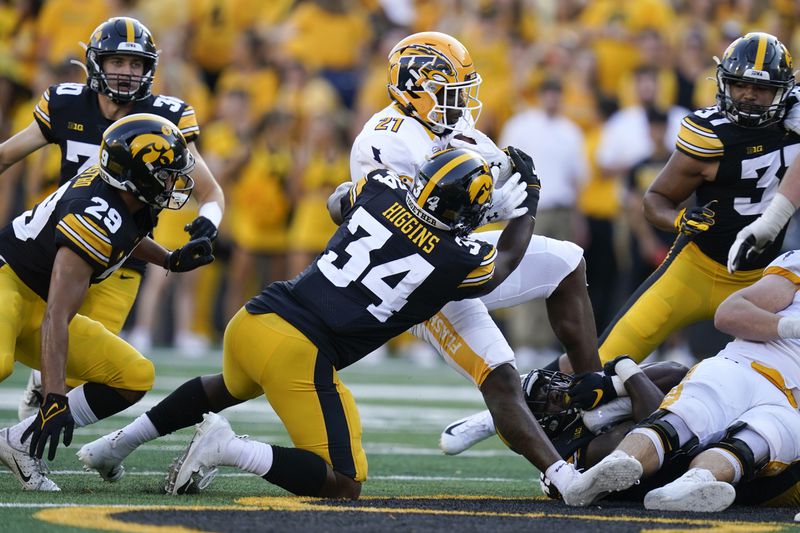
[{"x": 697, "y": 136}]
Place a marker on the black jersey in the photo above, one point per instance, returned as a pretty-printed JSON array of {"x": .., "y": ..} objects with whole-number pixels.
[
  {"x": 752, "y": 162},
  {"x": 68, "y": 114},
  {"x": 85, "y": 214},
  {"x": 383, "y": 271}
]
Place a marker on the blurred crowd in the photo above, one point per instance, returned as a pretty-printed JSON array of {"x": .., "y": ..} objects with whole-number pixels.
[{"x": 593, "y": 89}]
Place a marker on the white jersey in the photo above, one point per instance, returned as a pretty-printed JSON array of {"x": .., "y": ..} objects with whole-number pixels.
[
  {"x": 394, "y": 141},
  {"x": 781, "y": 354}
]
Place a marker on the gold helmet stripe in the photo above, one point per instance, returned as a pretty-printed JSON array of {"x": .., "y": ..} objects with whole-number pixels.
[
  {"x": 761, "y": 52},
  {"x": 423, "y": 197},
  {"x": 131, "y": 34}
]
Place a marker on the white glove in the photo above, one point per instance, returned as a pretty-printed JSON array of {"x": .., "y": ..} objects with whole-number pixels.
[
  {"x": 756, "y": 236},
  {"x": 506, "y": 199},
  {"x": 477, "y": 141}
]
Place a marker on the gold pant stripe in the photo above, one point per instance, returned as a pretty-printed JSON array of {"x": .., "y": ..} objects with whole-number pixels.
[{"x": 264, "y": 354}]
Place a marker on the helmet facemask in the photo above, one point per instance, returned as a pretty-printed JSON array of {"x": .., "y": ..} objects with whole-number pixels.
[
  {"x": 546, "y": 393},
  {"x": 457, "y": 105},
  {"x": 111, "y": 85}
]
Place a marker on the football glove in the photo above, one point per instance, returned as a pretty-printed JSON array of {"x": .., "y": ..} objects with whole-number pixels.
[
  {"x": 506, "y": 200},
  {"x": 693, "y": 221},
  {"x": 477, "y": 141},
  {"x": 201, "y": 227},
  {"x": 523, "y": 164},
  {"x": 590, "y": 389},
  {"x": 754, "y": 238},
  {"x": 194, "y": 254},
  {"x": 53, "y": 417}
]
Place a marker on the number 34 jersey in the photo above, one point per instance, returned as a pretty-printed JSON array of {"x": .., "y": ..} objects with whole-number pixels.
[
  {"x": 68, "y": 115},
  {"x": 752, "y": 162},
  {"x": 383, "y": 271},
  {"x": 86, "y": 215}
]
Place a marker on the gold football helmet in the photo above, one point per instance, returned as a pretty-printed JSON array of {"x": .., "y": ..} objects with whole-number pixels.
[{"x": 433, "y": 79}]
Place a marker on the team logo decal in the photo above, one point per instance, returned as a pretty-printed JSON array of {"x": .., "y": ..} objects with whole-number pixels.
[
  {"x": 480, "y": 190},
  {"x": 152, "y": 148}
]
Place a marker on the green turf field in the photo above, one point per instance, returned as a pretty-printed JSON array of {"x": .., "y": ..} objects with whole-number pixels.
[{"x": 403, "y": 409}]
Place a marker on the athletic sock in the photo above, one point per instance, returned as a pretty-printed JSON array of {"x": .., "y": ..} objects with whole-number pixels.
[
  {"x": 248, "y": 455},
  {"x": 299, "y": 471},
  {"x": 183, "y": 408}
]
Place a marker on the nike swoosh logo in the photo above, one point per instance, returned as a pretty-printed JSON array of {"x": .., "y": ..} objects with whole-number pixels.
[
  {"x": 599, "y": 396},
  {"x": 450, "y": 429},
  {"x": 21, "y": 473}
]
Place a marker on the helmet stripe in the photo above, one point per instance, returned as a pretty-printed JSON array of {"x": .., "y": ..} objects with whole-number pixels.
[
  {"x": 450, "y": 165},
  {"x": 131, "y": 34},
  {"x": 761, "y": 52}
]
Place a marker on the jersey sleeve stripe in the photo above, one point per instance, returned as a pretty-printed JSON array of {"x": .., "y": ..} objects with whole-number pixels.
[
  {"x": 703, "y": 153},
  {"x": 100, "y": 244},
  {"x": 488, "y": 258},
  {"x": 479, "y": 276},
  {"x": 41, "y": 115},
  {"x": 784, "y": 273},
  {"x": 91, "y": 252},
  {"x": 94, "y": 228},
  {"x": 690, "y": 123},
  {"x": 355, "y": 191}
]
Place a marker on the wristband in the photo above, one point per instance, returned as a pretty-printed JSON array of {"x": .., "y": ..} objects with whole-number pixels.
[
  {"x": 789, "y": 328},
  {"x": 626, "y": 368},
  {"x": 619, "y": 386},
  {"x": 212, "y": 212}
]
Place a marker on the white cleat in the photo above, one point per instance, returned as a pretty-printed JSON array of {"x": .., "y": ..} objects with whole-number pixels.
[
  {"x": 31, "y": 399},
  {"x": 103, "y": 456},
  {"x": 196, "y": 468},
  {"x": 696, "y": 491},
  {"x": 31, "y": 473},
  {"x": 466, "y": 433},
  {"x": 615, "y": 472}
]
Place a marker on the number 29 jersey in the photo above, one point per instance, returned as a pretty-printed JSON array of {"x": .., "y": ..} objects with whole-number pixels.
[
  {"x": 383, "y": 271},
  {"x": 86, "y": 215}
]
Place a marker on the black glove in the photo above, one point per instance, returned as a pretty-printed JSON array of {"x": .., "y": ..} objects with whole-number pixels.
[
  {"x": 610, "y": 368},
  {"x": 53, "y": 416},
  {"x": 590, "y": 389},
  {"x": 201, "y": 227},
  {"x": 195, "y": 253},
  {"x": 693, "y": 221},
  {"x": 522, "y": 163}
]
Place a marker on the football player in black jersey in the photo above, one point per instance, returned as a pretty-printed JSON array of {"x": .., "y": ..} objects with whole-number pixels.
[
  {"x": 50, "y": 255},
  {"x": 398, "y": 256},
  {"x": 731, "y": 157},
  {"x": 121, "y": 61}
]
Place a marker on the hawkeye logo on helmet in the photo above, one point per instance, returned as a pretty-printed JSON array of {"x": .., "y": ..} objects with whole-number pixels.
[
  {"x": 130, "y": 47},
  {"x": 480, "y": 190},
  {"x": 152, "y": 148}
]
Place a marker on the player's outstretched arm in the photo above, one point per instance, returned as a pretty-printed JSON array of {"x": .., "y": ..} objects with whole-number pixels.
[
  {"x": 21, "y": 145},
  {"x": 210, "y": 199},
  {"x": 750, "y": 313},
  {"x": 194, "y": 254},
  {"x": 676, "y": 182}
]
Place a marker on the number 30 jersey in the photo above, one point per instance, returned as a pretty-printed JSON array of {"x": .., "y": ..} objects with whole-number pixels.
[
  {"x": 69, "y": 115},
  {"x": 383, "y": 271},
  {"x": 86, "y": 215},
  {"x": 752, "y": 162}
]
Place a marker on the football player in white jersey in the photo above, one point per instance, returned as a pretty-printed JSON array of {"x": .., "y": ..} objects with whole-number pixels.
[
  {"x": 740, "y": 407},
  {"x": 433, "y": 85}
]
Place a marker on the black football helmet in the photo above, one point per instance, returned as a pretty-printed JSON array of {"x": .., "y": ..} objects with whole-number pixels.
[
  {"x": 452, "y": 191},
  {"x": 761, "y": 59},
  {"x": 147, "y": 156},
  {"x": 121, "y": 36},
  {"x": 546, "y": 393}
]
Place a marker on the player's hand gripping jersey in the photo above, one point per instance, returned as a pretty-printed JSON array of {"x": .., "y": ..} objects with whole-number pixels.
[{"x": 383, "y": 271}]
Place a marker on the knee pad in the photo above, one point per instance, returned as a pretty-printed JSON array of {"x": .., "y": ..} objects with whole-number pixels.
[
  {"x": 742, "y": 451},
  {"x": 670, "y": 439}
]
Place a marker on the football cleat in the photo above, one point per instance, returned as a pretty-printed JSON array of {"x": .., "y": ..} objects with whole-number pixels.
[
  {"x": 196, "y": 467},
  {"x": 103, "y": 456},
  {"x": 615, "y": 472},
  {"x": 466, "y": 432},
  {"x": 696, "y": 491},
  {"x": 31, "y": 399},
  {"x": 31, "y": 473}
]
